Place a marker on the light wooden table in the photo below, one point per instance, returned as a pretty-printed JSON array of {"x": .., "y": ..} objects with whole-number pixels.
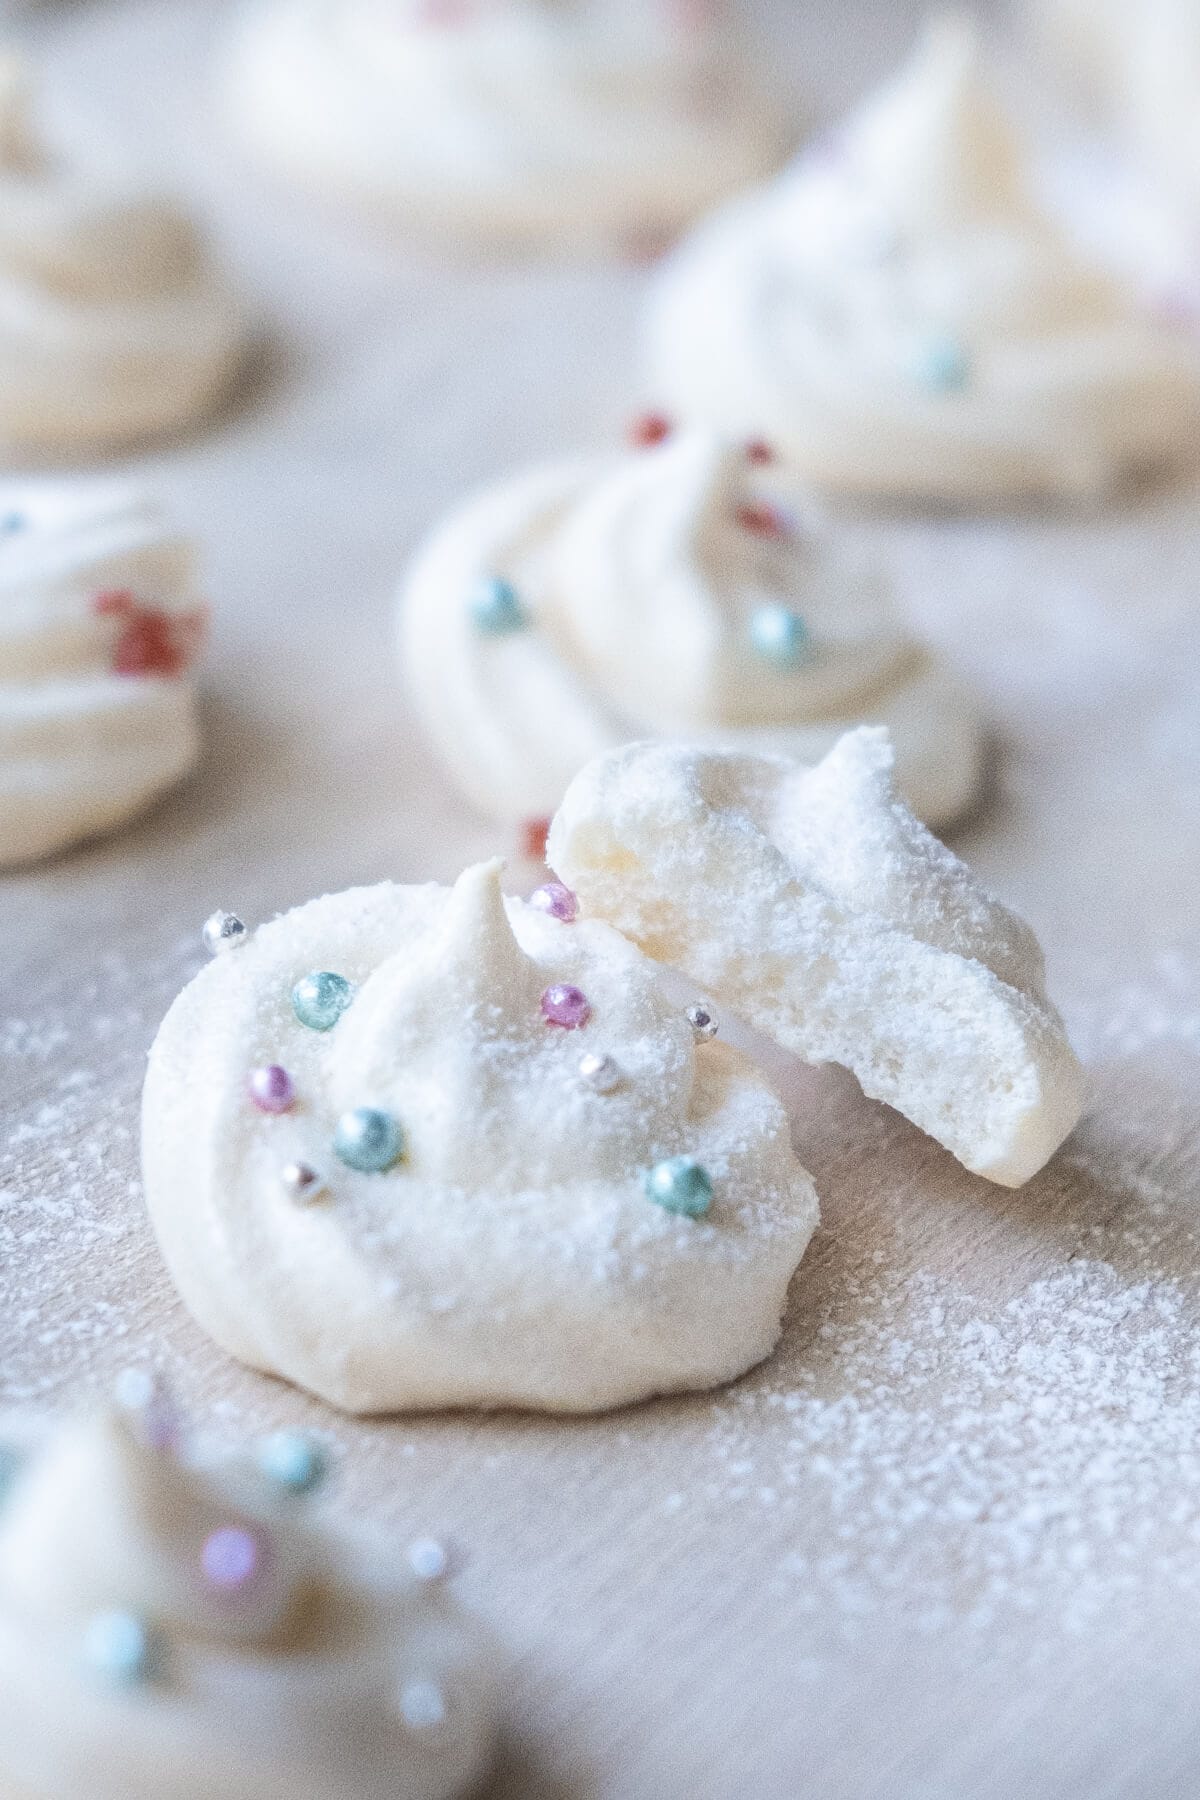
[{"x": 946, "y": 1545}]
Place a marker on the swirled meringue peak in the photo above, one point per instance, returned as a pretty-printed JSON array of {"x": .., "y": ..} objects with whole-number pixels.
[
  {"x": 580, "y": 124},
  {"x": 661, "y": 593},
  {"x": 532, "y": 1185},
  {"x": 114, "y": 323},
  {"x": 900, "y": 316},
  {"x": 183, "y": 1628},
  {"x": 100, "y": 626}
]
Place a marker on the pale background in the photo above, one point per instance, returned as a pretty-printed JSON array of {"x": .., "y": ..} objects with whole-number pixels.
[{"x": 946, "y": 1545}]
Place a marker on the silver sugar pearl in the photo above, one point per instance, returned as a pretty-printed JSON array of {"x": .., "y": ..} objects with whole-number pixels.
[
  {"x": 703, "y": 1024},
  {"x": 422, "y": 1706},
  {"x": 428, "y": 1559},
  {"x": 301, "y": 1182},
  {"x": 223, "y": 931},
  {"x": 601, "y": 1073}
]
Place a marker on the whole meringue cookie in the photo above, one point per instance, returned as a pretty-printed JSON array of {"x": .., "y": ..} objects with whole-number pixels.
[
  {"x": 530, "y": 1185},
  {"x": 568, "y": 123},
  {"x": 578, "y": 606},
  {"x": 100, "y": 624},
  {"x": 114, "y": 323},
  {"x": 899, "y": 315},
  {"x": 170, "y": 1630}
]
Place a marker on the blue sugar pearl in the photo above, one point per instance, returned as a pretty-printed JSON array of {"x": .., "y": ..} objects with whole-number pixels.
[
  {"x": 121, "y": 1647},
  {"x": 943, "y": 366},
  {"x": 780, "y": 637},
  {"x": 495, "y": 607},
  {"x": 681, "y": 1185},
  {"x": 294, "y": 1461},
  {"x": 11, "y": 523},
  {"x": 11, "y": 1462},
  {"x": 320, "y": 999},
  {"x": 369, "y": 1140}
]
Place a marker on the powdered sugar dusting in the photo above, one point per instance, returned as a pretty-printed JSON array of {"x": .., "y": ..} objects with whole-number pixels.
[{"x": 982, "y": 1466}]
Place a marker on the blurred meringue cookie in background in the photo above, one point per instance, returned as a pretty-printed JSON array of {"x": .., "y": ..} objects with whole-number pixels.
[
  {"x": 100, "y": 626},
  {"x": 662, "y": 592},
  {"x": 581, "y": 125},
  {"x": 899, "y": 315},
  {"x": 810, "y": 901},
  {"x": 486, "y": 1159},
  {"x": 115, "y": 324},
  {"x": 177, "y": 1628},
  {"x": 1137, "y": 181},
  {"x": 1140, "y": 68}
]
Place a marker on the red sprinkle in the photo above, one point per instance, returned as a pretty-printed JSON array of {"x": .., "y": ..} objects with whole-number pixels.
[
  {"x": 759, "y": 451},
  {"x": 648, "y": 430},
  {"x": 533, "y": 835},
  {"x": 757, "y": 517},
  {"x": 151, "y": 641}
]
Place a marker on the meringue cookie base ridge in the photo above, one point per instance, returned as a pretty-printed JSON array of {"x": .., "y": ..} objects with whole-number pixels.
[
  {"x": 573, "y": 1298},
  {"x": 166, "y": 376},
  {"x": 80, "y": 759}
]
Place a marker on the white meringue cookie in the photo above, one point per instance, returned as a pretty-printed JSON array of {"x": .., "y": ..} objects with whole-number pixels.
[
  {"x": 511, "y": 1256},
  {"x": 283, "y": 1669},
  {"x": 900, "y": 317},
  {"x": 1142, "y": 65},
  {"x": 641, "y": 583},
  {"x": 814, "y": 904},
  {"x": 561, "y": 122},
  {"x": 114, "y": 323},
  {"x": 100, "y": 622}
]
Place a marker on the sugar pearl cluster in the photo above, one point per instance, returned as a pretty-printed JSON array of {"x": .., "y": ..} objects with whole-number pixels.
[
  {"x": 128, "y": 1648},
  {"x": 372, "y": 1141}
]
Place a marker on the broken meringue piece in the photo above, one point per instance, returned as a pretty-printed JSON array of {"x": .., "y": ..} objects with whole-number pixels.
[{"x": 810, "y": 900}]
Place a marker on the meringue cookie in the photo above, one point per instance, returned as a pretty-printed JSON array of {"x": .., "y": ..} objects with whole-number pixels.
[
  {"x": 901, "y": 318},
  {"x": 812, "y": 902},
  {"x": 505, "y": 1251},
  {"x": 1143, "y": 66},
  {"x": 100, "y": 623},
  {"x": 167, "y": 1629},
  {"x": 650, "y": 593},
  {"x": 557, "y": 122},
  {"x": 114, "y": 323}
]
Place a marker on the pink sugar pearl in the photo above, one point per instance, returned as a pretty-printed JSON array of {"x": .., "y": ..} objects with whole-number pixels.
[
  {"x": 272, "y": 1089},
  {"x": 557, "y": 900},
  {"x": 231, "y": 1558},
  {"x": 565, "y": 1005}
]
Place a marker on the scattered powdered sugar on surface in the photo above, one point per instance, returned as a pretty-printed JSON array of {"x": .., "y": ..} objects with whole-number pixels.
[
  {"x": 920, "y": 1448},
  {"x": 71, "y": 1215},
  {"x": 983, "y": 1466}
]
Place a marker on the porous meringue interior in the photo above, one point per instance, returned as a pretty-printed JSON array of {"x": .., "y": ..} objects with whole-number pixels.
[{"x": 812, "y": 902}]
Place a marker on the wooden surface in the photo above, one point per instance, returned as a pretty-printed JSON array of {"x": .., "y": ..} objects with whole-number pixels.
[{"x": 946, "y": 1545}]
